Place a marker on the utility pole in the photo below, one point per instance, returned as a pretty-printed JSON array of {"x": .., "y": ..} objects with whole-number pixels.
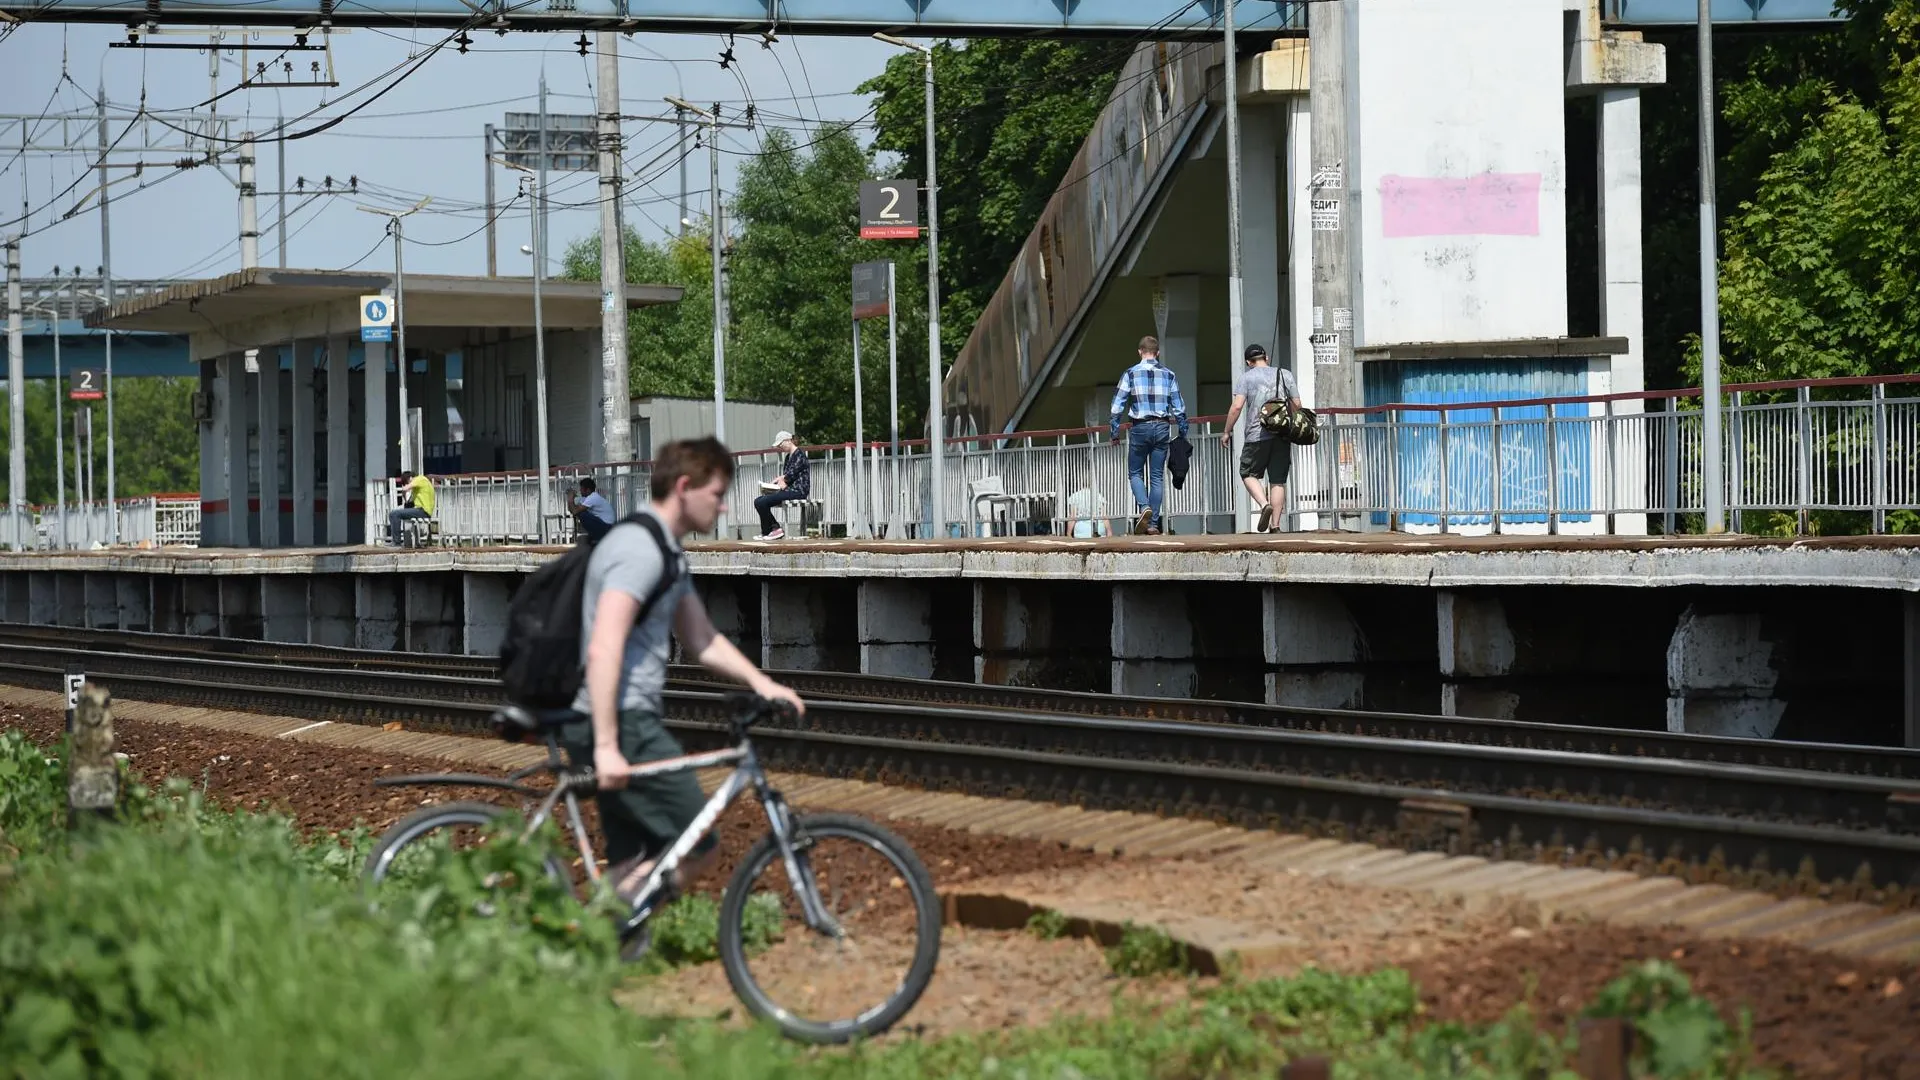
[
  {"x": 616, "y": 410},
  {"x": 493, "y": 255},
  {"x": 16, "y": 399},
  {"x": 540, "y": 234},
  {"x": 540, "y": 355},
  {"x": 280, "y": 179},
  {"x": 1336, "y": 379},
  {"x": 680, "y": 121},
  {"x": 1714, "y": 504},
  {"x": 394, "y": 218},
  {"x": 106, "y": 289},
  {"x": 59, "y": 441},
  {"x": 1236, "y": 298}
]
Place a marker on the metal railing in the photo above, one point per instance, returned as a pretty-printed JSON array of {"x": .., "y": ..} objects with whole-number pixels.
[
  {"x": 171, "y": 520},
  {"x": 1627, "y": 463}
]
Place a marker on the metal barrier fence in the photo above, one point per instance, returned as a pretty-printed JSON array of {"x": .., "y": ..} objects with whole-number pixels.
[
  {"x": 1611, "y": 464},
  {"x": 150, "y": 521}
]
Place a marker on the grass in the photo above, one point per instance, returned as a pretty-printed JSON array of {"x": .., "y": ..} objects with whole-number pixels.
[{"x": 184, "y": 941}]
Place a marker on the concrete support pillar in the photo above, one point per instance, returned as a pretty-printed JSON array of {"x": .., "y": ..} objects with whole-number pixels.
[
  {"x": 1476, "y": 642},
  {"x": 240, "y": 608},
  {"x": 1314, "y": 648},
  {"x": 1721, "y": 672},
  {"x": 374, "y": 417},
  {"x": 896, "y": 628},
  {"x": 330, "y": 611},
  {"x": 43, "y": 599},
  {"x": 70, "y": 598},
  {"x": 484, "y": 606},
  {"x": 1152, "y": 642},
  {"x": 283, "y": 608},
  {"x": 1910, "y": 665},
  {"x": 267, "y": 399},
  {"x": 341, "y": 529},
  {"x": 215, "y": 492},
  {"x": 239, "y": 488},
  {"x": 1621, "y": 277},
  {"x": 376, "y": 610},
  {"x": 169, "y": 605},
  {"x": 133, "y": 595},
  {"x": 102, "y": 601},
  {"x": 200, "y": 606},
  {"x": 19, "y": 590},
  {"x": 1044, "y": 634},
  {"x": 433, "y": 622},
  {"x": 733, "y": 603},
  {"x": 301, "y": 428},
  {"x": 1179, "y": 334},
  {"x": 807, "y": 625}
]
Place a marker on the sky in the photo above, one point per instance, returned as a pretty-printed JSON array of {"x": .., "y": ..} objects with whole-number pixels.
[{"x": 424, "y": 137}]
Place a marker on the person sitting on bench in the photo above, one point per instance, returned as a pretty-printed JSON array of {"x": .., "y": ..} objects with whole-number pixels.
[
  {"x": 794, "y": 482},
  {"x": 416, "y": 501}
]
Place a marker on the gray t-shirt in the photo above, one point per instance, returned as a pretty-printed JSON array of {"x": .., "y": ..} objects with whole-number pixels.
[
  {"x": 1257, "y": 385},
  {"x": 628, "y": 560}
]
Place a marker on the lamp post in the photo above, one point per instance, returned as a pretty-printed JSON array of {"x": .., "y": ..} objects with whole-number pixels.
[
  {"x": 936, "y": 408},
  {"x": 394, "y": 218},
  {"x": 719, "y": 327},
  {"x": 531, "y": 180}
]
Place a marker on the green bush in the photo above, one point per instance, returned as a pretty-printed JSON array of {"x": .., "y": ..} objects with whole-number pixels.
[
  {"x": 1146, "y": 950},
  {"x": 33, "y": 789},
  {"x": 1047, "y": 924}
]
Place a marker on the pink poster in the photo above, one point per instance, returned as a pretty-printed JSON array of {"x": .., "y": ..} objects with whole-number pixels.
[{"x": 1491, "y": 204}]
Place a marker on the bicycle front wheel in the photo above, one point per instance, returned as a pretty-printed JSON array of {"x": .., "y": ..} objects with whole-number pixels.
[{"x": 854, "y": 978}]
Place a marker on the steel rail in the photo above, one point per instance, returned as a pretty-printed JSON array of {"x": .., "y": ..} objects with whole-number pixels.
[
  {"x": 1894, "y": 762},
  {"x": 1543, "y": 805}
]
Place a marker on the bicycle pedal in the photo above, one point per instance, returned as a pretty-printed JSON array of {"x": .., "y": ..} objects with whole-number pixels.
[{"x": 635, "y": 949}]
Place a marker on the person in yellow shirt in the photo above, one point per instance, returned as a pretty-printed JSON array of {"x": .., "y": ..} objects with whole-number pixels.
[{"x": 416, "y": 501}]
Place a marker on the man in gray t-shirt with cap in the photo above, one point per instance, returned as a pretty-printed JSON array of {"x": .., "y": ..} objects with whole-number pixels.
[{"x": 1267, "y": 459}]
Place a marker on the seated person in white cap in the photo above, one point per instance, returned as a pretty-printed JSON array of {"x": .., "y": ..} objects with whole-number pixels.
[{"x": 795, "y": 482}]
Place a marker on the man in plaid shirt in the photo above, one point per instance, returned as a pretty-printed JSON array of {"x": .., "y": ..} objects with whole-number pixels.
[{"x": 1149, "y": 397}]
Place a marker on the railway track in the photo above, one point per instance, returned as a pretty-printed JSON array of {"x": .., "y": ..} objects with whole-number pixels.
[
  {"x": 1873, "y": 761},
  {"x": 1791, "y": 831}
]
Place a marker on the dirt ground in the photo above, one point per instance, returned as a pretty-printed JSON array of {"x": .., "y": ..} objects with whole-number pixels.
[{"x": 1817, "y": 1015}]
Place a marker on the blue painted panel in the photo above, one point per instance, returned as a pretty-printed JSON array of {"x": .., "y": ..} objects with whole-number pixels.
[
  {"x": 1687, "y": 12},
  {"x": 908, "y": 18},
  {"x": 1522, "y": 490},
  {"x": 134, "y": 354}
]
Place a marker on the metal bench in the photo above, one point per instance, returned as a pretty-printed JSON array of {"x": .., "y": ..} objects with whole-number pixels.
[
  {"x": 994, "y": 506},
  {"x": 420, "y": 532}
]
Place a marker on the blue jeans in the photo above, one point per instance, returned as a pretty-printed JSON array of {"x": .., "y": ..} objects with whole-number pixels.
[
  {"x": 1147, "y": 444},
  {"x": 395, "y": 517},
  {"x": 765, "y": 504}
]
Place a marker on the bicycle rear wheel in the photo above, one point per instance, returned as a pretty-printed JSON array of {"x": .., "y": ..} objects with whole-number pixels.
[
  {"x": 831, "y": 987},
  {"x": 417, "y": 843}
]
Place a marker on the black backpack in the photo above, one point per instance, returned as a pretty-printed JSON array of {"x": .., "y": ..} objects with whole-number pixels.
[{"x": 540, "y": 666}]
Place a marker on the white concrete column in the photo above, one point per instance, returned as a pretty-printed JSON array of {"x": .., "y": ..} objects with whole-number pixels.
[
  {"x": 896, "y": 628},
  {"x": 304, "y": 354},
  {"x": 1179, "y": 334},
  {"x": 1621, "y": 309},
  {"x": 1720, "y": 676},
  {"x": 376, "y": 442},
  {"x": 239, "y": 488},
  {"x": 267, "y": 399},
  {"x": 1262, "y": 239},
  {"x": 1152, "y": 640},
  {"x": 339, "y": 442},
  {"x": 1476, "y": 642},
  {"x": 1313, "y": 648},
  {"x": 1297, "y": 351}
]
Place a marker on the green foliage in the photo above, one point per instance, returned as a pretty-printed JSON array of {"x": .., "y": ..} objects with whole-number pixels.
[
  {"x": 687, "y": 931},
  {"x": 157, "y": 442},
  {"x": 32, "y": 794},
  {"x": 1009, "y": 115},
  {"x": 1146, "y": 950},
  {"x": 1681, "y": 1035},
  {"x": 1047, "y": 924}
]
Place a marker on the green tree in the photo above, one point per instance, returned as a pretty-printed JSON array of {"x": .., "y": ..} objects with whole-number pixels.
[
  {"x": 157, "y": 441},
  {"x": 670, "y": 347},
  {"x": 1009, "y": 115}
]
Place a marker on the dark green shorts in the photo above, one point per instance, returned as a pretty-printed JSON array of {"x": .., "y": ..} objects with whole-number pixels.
[
  {"x": 1271, "y": 458},
  {"x": 646, "y": 816}
]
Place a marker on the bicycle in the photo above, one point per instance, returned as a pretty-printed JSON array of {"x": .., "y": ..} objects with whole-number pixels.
[{"x": 793, "y": 846}]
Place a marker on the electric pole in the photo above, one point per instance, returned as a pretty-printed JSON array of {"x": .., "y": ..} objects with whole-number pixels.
[
  {"x": 1715, "y": 498},
  {"x": 16, "y": 400},
  {"x": 1336, "y": 379},
  {"x": 106, "y": 337},
  {"x": 616, "y": 417},
  {"x": 493, "y": 255},
  {"x": 1236, "y": 310}
]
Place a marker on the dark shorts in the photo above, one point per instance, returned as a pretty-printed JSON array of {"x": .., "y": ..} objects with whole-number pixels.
[
  {"x": 1271, "y": 458},
  {"x": 646, "y": 816}
]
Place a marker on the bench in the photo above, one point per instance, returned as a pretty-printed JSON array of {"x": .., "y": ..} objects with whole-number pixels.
[
  {"x": 810, "y": 511},
  {"x": 991, "y": 499},
  {"x": 419, "y": 532}
]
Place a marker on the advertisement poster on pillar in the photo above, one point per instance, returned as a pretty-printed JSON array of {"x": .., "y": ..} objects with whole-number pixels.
[{"x": 871, "y": 298}]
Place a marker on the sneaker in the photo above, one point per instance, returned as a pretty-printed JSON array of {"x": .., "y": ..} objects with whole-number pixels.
[
  {"x": 1144, "y": 523},
  {"x": 777, "y": 534},
  {"x": 1266, "y": 518}
]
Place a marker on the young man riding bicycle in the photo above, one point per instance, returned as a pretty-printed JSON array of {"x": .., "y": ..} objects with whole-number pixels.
[{"x": 626, "y": 665}]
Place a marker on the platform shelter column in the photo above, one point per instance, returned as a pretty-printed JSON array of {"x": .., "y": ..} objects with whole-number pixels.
[
  {"x": 376, "y": 443},
  {"x": 340, "y": 527},
  {"x": 304, "y": 353},
  {"x": 267, "y": 398}
]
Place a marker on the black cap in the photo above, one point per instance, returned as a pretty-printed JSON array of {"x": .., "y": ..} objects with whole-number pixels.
[{"x": 1255, "y": 352}]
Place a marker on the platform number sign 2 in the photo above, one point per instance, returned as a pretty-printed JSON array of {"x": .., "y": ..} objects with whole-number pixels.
[
  {"x": 89, "y": 384},
  {"x": 889, "y": 209}
]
